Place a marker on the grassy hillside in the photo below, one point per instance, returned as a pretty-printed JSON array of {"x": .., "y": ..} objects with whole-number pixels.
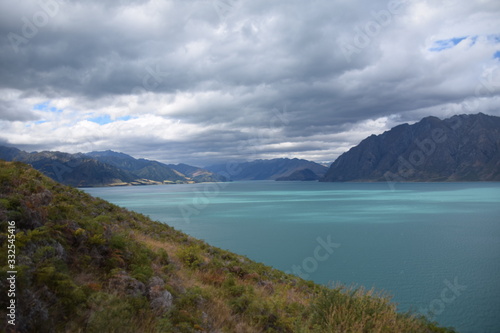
[{"x": 85, "y": 265}]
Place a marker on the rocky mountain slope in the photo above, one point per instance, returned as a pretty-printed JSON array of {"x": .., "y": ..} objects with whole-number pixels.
[
  {"x": 460, "y": 148},
  {"x": 266, "y": 169},
  {"x": 85, "y": 265}
]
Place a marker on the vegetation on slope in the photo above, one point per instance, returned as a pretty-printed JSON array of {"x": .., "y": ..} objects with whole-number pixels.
[{"x": 85, "y": 265}]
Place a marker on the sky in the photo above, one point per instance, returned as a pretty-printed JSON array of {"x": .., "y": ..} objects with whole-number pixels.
[{"x": 207, "y": 81}]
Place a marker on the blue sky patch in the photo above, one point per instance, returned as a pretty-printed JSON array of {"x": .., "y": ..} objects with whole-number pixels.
[
  {"x": 106, "y": 119},
  {"x": 444, "y": 44},
  {"x": 45, "y": 107},
  {"x": 125, "y": 118},
  {"x": 496, "y": 55},
  {"x": 41, "y": 106},
  {"x": 101, "y": 120}
]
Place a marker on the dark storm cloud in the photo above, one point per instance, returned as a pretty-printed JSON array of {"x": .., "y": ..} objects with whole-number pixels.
[{"x": 226, "y": 70}]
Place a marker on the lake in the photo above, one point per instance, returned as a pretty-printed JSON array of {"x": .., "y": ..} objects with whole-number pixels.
[{"x": 435, "y": 247}]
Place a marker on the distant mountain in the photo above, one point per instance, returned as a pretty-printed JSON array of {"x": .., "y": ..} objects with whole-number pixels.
[
  {"x": 141, "y": 167},
  {"x": 460, "y": 148},
  {"x": 267, "y": 169},
  {"x": 197, "y": 174},
  {"x": 70, "y": 169},
  {"x": 105, "y": 168},
  {"x": 300, "y": 175},
  {"x": 155, "y": 170}
]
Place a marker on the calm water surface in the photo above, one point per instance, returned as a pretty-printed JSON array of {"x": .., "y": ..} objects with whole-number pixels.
[{"x": 433, "y": 246}]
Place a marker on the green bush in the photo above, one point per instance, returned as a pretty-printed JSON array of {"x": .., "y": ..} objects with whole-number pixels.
[
  {"x": 187, "y": 314},
  {"x": 119, "y": 241},
  {"x": 110, "y": 313},
  {"x": 142, "y": 272},
  {"x": 190, "y": 256},
  {"x": 233, "y": 289}
]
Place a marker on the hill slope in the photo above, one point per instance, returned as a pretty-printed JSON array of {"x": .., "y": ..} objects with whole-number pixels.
[
  {"x": 267, "y": 169},
  {"x": 85, "y": 265},
  {"x": 460, "y": 148}
]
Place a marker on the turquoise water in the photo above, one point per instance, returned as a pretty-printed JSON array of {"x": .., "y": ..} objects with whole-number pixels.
[{"x": 434, "y": 246}]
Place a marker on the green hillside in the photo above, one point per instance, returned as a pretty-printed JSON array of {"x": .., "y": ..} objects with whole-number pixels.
[{"x": 85, "y": 265}]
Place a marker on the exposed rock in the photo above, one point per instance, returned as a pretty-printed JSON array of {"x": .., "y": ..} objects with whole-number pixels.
[
  {"x": 268, "y": 286},
  {"x": 162, "y": 303},
  {"x": 124, "y": 283},
  {"x": 161, "y": 300}
]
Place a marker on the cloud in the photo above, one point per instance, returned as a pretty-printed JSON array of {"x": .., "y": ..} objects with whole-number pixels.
[{"x": 206, "y": 80}]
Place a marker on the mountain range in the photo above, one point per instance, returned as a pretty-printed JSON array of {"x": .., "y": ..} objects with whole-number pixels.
[
  {"x": 278, "y": 168},
  {"x": 107, "y": 168},
  {"x": 110, "y": 168},
  {"x": 460, "y": 148}
]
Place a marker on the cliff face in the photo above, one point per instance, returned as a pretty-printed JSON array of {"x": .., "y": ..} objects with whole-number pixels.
[{"x": 460, "y": 148}]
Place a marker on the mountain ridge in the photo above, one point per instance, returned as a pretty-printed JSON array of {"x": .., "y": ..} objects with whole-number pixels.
[
  {"x": 300, "y": 175},
  {"x": 266, "y": 169},
  {"x": 459, "y": 148},
  {"x": 104, "y": 168}
]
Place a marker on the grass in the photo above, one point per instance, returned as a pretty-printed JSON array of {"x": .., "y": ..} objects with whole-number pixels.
[{"x": 86, "y": 265}]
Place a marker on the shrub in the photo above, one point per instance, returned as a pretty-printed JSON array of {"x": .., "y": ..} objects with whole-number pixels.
[
  {"x": 110, "y": 314},
  {"x": 190, "y": 256}
]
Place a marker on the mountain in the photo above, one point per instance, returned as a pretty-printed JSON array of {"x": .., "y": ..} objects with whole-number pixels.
[
  {"x": 199, "y": 175},
  {"x": 141, "y": 167},
  {"x": 155, "y": 170},
  {"x": 266, "y": 169},
  {"x": 300, "y": 175},
  {"x": 85, "y": 265},
  {"x": 70, "y": 169},
  {"x": 106, "y": 168},
  {"x": 460, "y": 148}
]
